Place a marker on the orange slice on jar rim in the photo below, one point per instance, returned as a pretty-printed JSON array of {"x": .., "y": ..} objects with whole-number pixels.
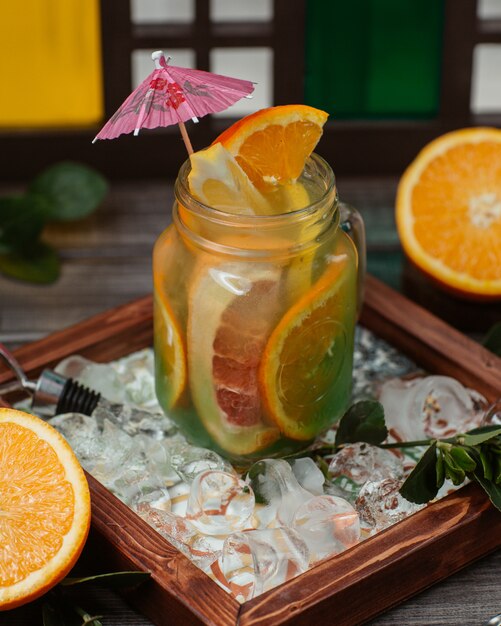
[
  {"x": 232, "y": 310},
  {"x": 308, "y": 353},
  {"x": 44, "y": 508},
  {"x": 272, "y": 145},
  {"x": 170, "y": 351},
  {"x": 448, "y": 212}
]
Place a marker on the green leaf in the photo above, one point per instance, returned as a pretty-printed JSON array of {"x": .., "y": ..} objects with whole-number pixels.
[
  {"x": 323, "y": 466},
  {"x": 497, "y": 470},
  {"x": 363, "y": 421},
  {"x": 485, "y": 461},
  {"x": 440, "y": 469},
  {"x": 254, "y": 477},
  {"x": 492, "y": 340},
  {"x": 479, "y": 435},
  {"x": 113, "y": 580},
  {"x": 492, "y": 490},
  {"x": 462, "y": 458},
  {"x": 73, "y": 190},
  {"x": 21, "y": 222},
  {"x": 40, "y": 264},
  {"x": 421, "y": 484},
  {"x": 452, "y": 470}
]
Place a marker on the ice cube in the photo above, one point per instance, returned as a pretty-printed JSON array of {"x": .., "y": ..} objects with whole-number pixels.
[
  {"x": 189, "y": 461},
  {"x": 492, "y": 415},
  {"x": 430, "y": 407},
  {"x": 220, "y": 503},
  {"x": 278, "y": 489},
  {"x": 328, "y": 525},
  {"x": 380, "y": 504},
  {"x": 258, "y": 560},
  {"x": 356, "y": 463},
  {"x": 182, "y": 534},
  {"x": 308, "y": 475}
]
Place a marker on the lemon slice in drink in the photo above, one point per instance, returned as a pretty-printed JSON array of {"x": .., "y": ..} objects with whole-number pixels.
[{"x": 217, "y": 180}]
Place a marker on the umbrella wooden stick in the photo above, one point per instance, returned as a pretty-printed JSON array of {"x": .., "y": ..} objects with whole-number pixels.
[{"x": 186, "y": 139}]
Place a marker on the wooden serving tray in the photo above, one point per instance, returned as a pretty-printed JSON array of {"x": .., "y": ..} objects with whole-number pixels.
[{"x": 351, "y": 587}]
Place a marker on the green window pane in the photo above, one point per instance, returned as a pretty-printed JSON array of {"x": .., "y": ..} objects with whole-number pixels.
[{"x": 374, "y": 58}]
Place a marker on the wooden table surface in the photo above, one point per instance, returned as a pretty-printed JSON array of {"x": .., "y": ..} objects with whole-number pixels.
[{"x": 107, "y": 261}]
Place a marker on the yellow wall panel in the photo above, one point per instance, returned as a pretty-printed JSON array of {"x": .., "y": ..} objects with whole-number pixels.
[{"x": 50, "y": 63}]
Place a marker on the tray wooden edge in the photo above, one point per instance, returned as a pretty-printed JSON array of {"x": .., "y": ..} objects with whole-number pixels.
[
  {"x": 446, "y": 536},
  {"x": 178, "y": 591},
  {"x": 468, "y": 529}
]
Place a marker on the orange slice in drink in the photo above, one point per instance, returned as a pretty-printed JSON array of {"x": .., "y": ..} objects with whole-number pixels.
[
  {"x": 44, "y": 508},
  {"x": 232, "y": 312},
  {"x": 448, "y": 212},
  {"x": 170, "y": 354},
  {"x": 272, "y": 145},
  {"x": 309, "y": 352}
]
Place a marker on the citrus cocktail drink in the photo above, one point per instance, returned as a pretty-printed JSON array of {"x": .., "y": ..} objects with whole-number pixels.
[{"x": 254, "y": 311}]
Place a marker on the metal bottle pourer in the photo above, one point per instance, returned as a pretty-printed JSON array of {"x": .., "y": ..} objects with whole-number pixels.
[{"x": 52, "y": 393}]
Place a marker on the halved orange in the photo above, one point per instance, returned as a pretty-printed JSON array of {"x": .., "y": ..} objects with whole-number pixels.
[
  {"x": 305, "y": 371},
  {"x": 233, "y": 308},
  {"x": 44, "y": 508},
  {"x": 448, "y": 211},
  {"x": 272, "y": 145}
]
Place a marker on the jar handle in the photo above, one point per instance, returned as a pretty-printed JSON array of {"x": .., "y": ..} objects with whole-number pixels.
[{"x": 353, "y": 225}]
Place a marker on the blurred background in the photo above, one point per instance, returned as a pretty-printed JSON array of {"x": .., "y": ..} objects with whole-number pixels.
[{"x": 393, "y": 74}]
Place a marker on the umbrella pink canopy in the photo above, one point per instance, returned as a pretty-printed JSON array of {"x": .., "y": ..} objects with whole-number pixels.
[{"x": 173, "y": 95}]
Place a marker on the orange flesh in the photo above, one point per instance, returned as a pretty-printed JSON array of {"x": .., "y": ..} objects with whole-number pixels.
[
  {"x": 36, "y": 503},
  {"x": 441, "y": 206},
  {"x": 278, "y": 152}
]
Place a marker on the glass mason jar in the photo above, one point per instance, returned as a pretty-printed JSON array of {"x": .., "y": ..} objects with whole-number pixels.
[{"x": 254, "y": 320}]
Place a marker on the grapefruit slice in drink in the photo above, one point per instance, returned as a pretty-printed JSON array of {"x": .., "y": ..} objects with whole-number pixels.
[{"x": 231, "y": 315}]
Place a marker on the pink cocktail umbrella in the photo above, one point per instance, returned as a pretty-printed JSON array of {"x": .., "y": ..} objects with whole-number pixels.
[{"x": 173, "y": 95}]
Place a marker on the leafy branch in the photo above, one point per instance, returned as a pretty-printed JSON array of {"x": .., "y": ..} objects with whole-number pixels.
[
  {"x": 475, "y": 454},
  {"x": 64, "y": 192}
]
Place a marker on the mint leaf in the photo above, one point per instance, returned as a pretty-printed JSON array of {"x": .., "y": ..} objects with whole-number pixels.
[
  {"x": 363, "y": 421},
  {"x": 113, "y": 580},
  {"x": 21, "y": 222},
  {"x": 479, "y": 435},
  {"x": 38, "y": 264},
  {"x": 421, "y": 484},
  {"x": 492, "y": 340},
  {"x": 72, "y": 190}
]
